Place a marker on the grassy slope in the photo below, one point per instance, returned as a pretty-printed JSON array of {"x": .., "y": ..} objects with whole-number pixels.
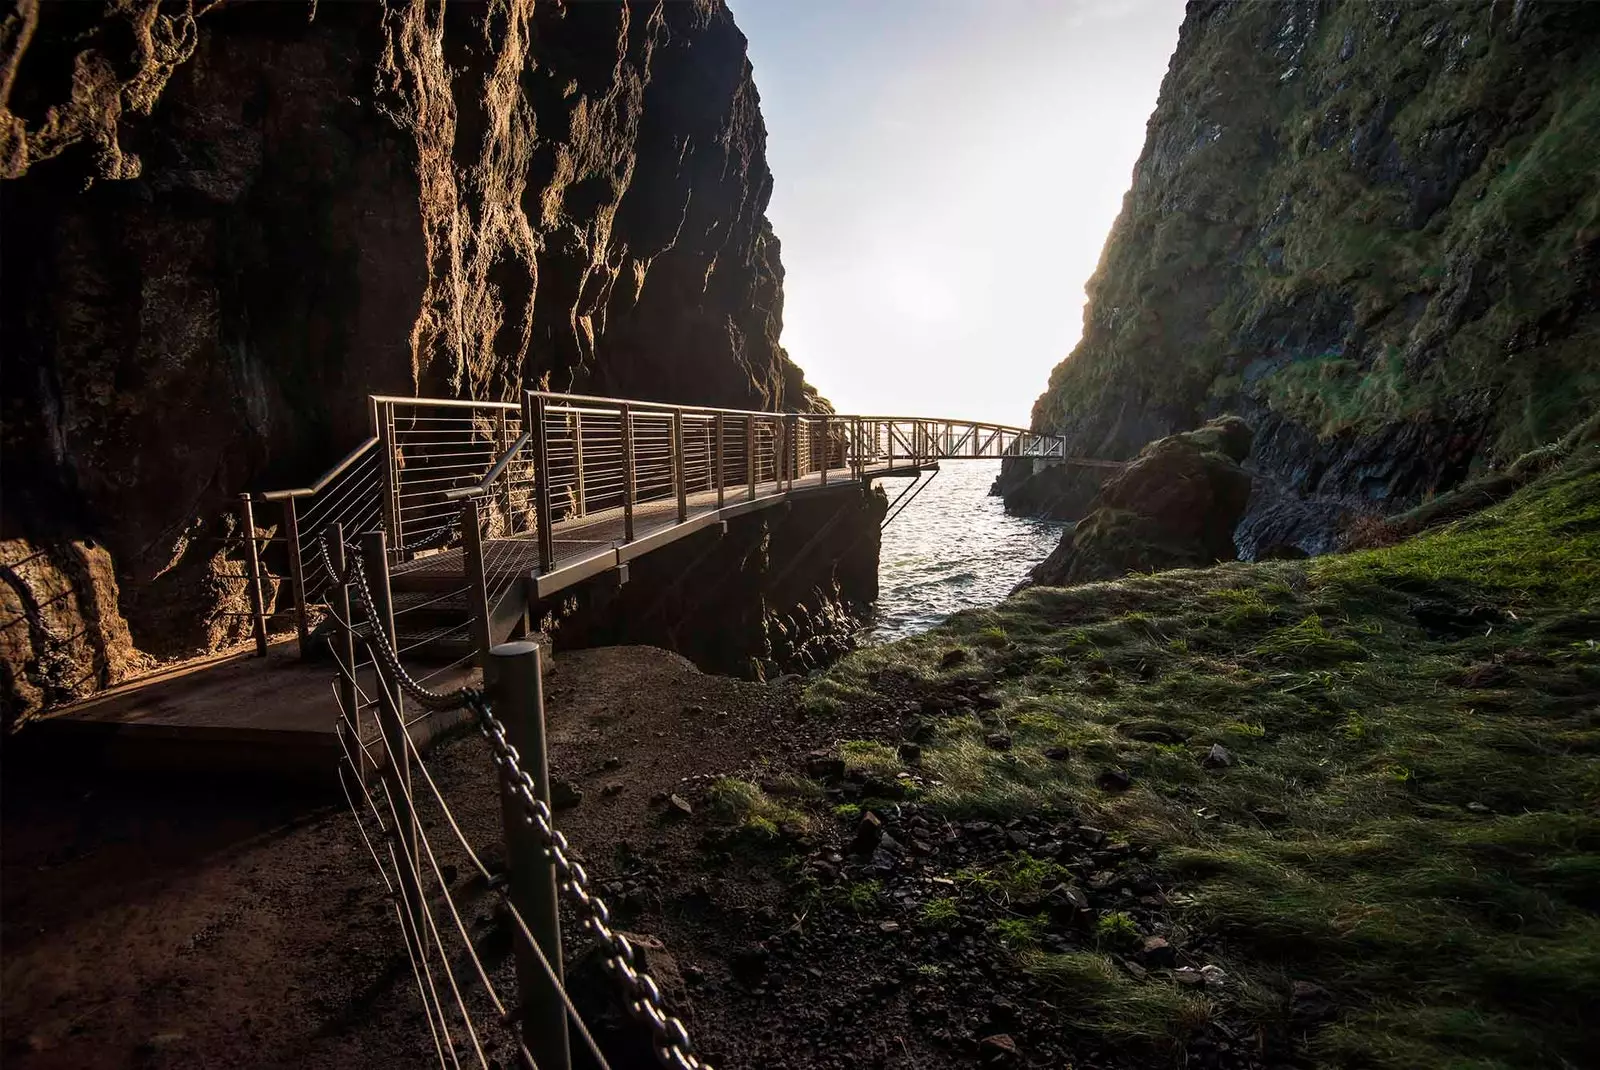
[{"x": 1411, "y": 820}]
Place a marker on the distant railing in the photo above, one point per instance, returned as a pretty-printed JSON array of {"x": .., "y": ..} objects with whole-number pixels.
[{"x": 569, "y": 461}]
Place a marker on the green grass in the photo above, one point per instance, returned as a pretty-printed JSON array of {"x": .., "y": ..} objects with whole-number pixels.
[
  {"x": 1411, "y": 820},
  {"x": 753, "y": 811}
]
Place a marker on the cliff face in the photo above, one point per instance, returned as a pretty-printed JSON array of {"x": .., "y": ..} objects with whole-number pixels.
[
  {"x": 1371, "y": 229},
  {"x": 225, "y": 224}
]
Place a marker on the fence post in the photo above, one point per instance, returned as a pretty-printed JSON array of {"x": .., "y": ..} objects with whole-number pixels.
[
  {"x": 258, "y": 607},
  {"x": 297, "y": 574},
  {"x": 477, "y": 579},
  {"x": 391, "y": 725},
  {"x": 517, "y": 696},
  {"x": 677, "y": 465},
  {"x": 628, "y": 489},
  {"x": 720, "y": 475},
  {"x": 541, "y": 482}
]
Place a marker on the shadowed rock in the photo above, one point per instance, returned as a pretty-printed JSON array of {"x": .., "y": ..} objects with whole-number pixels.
[{"x": 1175, "y": 506}]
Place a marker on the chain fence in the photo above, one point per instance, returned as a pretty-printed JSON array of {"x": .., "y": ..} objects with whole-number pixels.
[{"x": 393, "y": 795}]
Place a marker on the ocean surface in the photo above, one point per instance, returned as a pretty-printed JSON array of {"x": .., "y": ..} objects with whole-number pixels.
[{"x": 952, "y": 548}]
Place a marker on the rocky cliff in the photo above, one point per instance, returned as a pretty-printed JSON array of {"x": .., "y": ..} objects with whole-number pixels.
[
  {"x": 1373, "y": 230},
  {"x": 225, "y": 223}
]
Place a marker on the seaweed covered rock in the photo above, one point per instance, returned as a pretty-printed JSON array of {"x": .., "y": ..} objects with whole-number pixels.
[{"x": 1174, "y": 506}]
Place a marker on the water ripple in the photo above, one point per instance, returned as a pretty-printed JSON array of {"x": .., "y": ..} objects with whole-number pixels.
[{"x": 952, "y": 548}]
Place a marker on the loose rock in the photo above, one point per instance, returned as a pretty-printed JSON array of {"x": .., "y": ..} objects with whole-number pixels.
[
  {"x": 1114, "y": 780},
  {"x": 1217, "y": 758}
]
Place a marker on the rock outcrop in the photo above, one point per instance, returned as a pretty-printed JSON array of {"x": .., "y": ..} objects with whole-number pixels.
[
  {"x": 225, "y": 224},
  {"x": 1175, "y": 506},
  {"x": 1372, "y": 229}
]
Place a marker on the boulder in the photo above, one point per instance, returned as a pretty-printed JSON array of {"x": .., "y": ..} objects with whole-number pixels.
[{"x": 1174, "y": 506}]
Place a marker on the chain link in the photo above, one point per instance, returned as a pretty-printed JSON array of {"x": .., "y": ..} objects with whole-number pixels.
[
  {"x": 383, "y": 649},
  {"x": 641, "y": 994}
]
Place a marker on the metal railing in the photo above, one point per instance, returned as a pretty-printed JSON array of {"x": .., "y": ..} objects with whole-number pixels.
[
  {"x": 401, "y": 809},
  {"x": 572, "y": 475}
]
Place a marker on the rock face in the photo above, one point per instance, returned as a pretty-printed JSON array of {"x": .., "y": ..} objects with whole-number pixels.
[
  {"x": 224, "y": 225},
  {"x": 1175, "y": 506},
  {"x": 1371, "y": 229},
  {"x": 1057, "y": 491},
  {"x": 782, "y": 590}
]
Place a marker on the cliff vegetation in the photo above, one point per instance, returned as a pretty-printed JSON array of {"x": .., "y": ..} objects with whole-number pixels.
[{"x": 1371, "y": 229}]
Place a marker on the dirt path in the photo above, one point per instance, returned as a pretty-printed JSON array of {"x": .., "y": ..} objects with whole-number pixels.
[{"x": 204, "y": 926}]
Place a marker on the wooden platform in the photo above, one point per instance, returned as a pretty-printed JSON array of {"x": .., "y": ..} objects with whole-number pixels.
[{"x": 237, "y": 715}]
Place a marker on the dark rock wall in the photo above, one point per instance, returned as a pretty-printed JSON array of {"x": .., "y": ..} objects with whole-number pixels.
[
  {"x": 225, "y": 224},
  {"x": 1372, "y": 229},
  {"x": 784, "y": 589}
]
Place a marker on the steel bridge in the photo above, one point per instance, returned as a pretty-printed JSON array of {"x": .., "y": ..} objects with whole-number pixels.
[{"x": 486, "y": 508}]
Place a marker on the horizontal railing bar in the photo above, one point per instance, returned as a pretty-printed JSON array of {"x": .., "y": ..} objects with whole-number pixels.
[
  {"x": 315, "y": 488},
  {"x": 446, "y": 403}
]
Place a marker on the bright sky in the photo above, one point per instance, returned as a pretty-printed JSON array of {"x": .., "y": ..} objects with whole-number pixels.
[{"x": 946, "y": 172}]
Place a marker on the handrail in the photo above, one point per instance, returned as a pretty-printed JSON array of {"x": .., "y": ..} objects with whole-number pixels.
[
  {"x": 445, "y": 403},
  {"x": 328, "y": 477},
  {"x": 611, "y": 404},
  {"x": 483, "y": 485}
]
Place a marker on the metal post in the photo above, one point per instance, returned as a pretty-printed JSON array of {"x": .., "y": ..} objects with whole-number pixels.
[
  {"x": 258, "y": 604},
  {"x": 792, "y": 450},
  {"x": 577, "y": 459},
  {"x": 391, "y": 473},
  {"x": 720, "y": 455},
  {"x": 391, "y": 724},
  {"x": 297, "y": 576},
  {"x": 502, "y": 426},
  {"x": 541, "y": 483},
  {"x": 344, "y": 650},
  {"x": 628, "y": 489},
  {"x": 750, "y": 453},
  {"x": 827, "y": 455},
  {"x": 677, "y": 465},
  {"x": 517, "y": 695},
  {"x": 477, "y": 579}
]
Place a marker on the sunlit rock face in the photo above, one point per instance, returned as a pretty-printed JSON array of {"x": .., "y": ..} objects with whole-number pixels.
[
  {"x": 1370, "y": 228},
  {"x": 220, "y": 232}
]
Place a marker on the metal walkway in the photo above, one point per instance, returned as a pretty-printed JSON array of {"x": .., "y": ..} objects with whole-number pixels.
[{"x": 500, "y": 505}]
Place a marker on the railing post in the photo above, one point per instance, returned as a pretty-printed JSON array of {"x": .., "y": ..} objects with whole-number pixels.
[
  {"x": 793, "y": 445},
  {"x": 517, "y": 695},
  {"x": 720, "y": 455},
  {"x": 477, "y": 579},
  {"x": 677, "y": 465},
  {"x": 750, "y": 461},
  {"x": 344, "y": 651},
  {"x": 391, "y": 725},
  {"x": 541, "y": 481},
  {"x": 628, "y": 490},
  {"x": 384, "y": 413},
  {"x": 258, "y": 606},
  {"x": 505, "y": 438},
  {"x": 297, "y": 575},
  {"x": 827, "y": 443},
  {"x": 577, "y": 459}
]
